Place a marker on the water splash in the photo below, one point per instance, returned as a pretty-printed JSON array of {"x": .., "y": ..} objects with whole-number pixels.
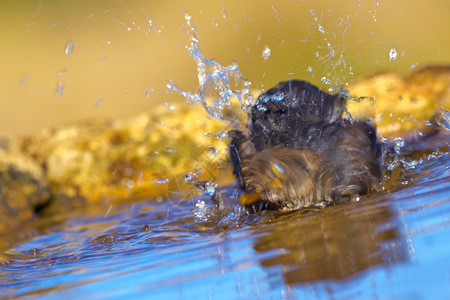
[
  {"x": 200, "y": 211},
  {"x": 99, "y": 102},
  {"x": 218, "y": 84},
  {"x": 325, "y": 80},
  {"x": 332, "y": 53},
  {"x": 24, "y": 79},
  {"x": 392, "y": 54},
  {"x": 443, "y": 118},
  {"x": 59, "y": 91},
  {"x": 399, "y": 143},
  {"x": 162, "y": 180},
  {"x": 148, "y": 90},
  {"x": 68, "y": 49},
  {"x": 266, "y": 53}
]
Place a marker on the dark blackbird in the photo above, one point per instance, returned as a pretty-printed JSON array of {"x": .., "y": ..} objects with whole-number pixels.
[{"x": 300, "y": 152}]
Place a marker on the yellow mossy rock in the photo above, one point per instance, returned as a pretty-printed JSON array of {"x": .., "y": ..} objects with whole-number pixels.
[
  {"x": 401, "y": 105},
  {"x": 137, "y": 157},
  {"x": 23, "y": 187}
]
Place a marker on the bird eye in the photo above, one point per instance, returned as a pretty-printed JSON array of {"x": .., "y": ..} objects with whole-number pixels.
[{"x": 278, "y": 168}]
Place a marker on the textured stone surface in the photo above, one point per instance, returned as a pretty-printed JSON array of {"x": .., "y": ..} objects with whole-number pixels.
[
  {"x": 401, "y": 105},
  {"x": 23, "y": 188},
  {"x": 137, "y": 157}
]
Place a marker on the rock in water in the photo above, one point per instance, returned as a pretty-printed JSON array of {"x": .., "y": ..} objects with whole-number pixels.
[
  {"x": 300, "y": 152},
  {"x": 406, "y": 106}
]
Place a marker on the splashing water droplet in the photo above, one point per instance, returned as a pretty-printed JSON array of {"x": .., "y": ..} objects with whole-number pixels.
[
  {"x": 162, "y": 180},
  {"x": 200, "y": 211},
  {"x": 266, "y": 53},
  {"x": 189, "y": 177},
  {"x": 24, "y": 79},
  {"x": 61, "y": 73},
  {"x": 443, "y": 118},
  {"x": 169, "y": 106},
  {"x": 330, "y": 48},
  {"x": 130, "y": 184},
  {"x": 147, "y": 92},
  {"x": 213, "y": 151},
  {"x": 261, "y": 108},
  {"x": 217, "y": 84},
  {"x": 325, "y": 80},
  {"x": 392, "y": 54},
  {"x": 99, "y": 102},
  {"x": 320, "y": 28},
  {"x": 149, "y": 25},
  {"x": 210, "y": 188},
  {"x": 59, "y": 89},
  {"x": 399, "y": 143},
  {"x": 68, "y": 49}
]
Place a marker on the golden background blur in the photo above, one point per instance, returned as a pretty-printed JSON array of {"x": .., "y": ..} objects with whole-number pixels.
[{"x": 124, "y": 52}]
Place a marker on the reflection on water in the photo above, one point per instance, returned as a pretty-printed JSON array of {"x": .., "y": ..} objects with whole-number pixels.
[
  {"x": 390, "y": 245},
  {"x": 335, "y": 244}
]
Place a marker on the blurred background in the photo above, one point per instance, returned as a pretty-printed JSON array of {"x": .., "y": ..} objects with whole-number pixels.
[{"x": 64, "y": 61}]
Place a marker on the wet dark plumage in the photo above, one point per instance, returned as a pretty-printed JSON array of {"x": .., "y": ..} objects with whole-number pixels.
[{"x": 300, "y": 152}]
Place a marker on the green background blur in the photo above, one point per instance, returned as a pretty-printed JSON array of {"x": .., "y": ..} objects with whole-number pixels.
[{"x": 124, "y": 49}]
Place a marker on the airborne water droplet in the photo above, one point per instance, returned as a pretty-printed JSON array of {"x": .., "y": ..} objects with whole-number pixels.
[
  {"x": 325, "y": 80},
  {"x": 188, "y": 177},
  {"x": 443, "y": 118},
  {"x": 213, "y": 151},
  {"x": 130, "y": 184},
  {"x": 399, "y": 143},
  {"x": 162, "y": 180},
  {"x": 24, "y": 79},
  {"x": 59, "y": 89},
  {"x": 392, "y": 54},
  {"x": 147, "y": 92},
  {"x": 210, "y": 188},
  {"x": 261, "y": 107},
  {"x": 99, "y": 102},
  {"x": 61, "y": 73},
  {"x": 218, "y": 84},
  {"x": 68, "y": 48},
  {"x": 266, "y": 53},
  {"x": 320, "y": 28}
]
